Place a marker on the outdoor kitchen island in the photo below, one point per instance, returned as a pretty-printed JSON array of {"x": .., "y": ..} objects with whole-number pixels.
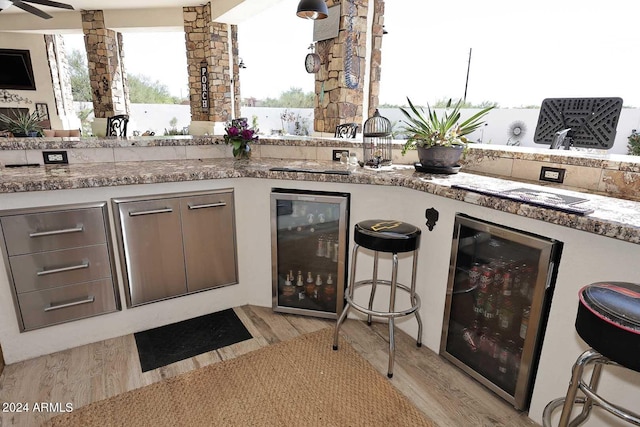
[{"x": 600, "y": 246}]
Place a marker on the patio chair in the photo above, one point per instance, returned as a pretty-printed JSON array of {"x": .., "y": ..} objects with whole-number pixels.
[
  {"x": 346, "y": 130},
  {"x": 117, "y": 125}
]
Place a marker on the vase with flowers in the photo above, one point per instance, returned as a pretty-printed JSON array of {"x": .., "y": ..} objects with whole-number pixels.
[{"x": 240, "y": 136}]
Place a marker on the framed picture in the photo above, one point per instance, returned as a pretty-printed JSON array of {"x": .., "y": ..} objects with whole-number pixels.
[{"x": 43, "y": 111}]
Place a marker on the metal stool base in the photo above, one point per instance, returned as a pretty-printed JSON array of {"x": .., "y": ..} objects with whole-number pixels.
[
  {"x": 392, "y": 314},
  {"x": 591, "y": 398}
]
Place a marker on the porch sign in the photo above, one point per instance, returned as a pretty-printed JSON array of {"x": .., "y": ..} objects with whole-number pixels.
[{"x": 204, "y": 86}]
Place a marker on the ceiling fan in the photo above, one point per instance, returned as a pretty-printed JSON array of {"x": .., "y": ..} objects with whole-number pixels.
[{"x": 24, "y": 5}]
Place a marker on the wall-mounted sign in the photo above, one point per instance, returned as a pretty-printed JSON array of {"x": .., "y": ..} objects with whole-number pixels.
[
  {"x": 204, "y": 85},
  {"x": 325, "y": 29}
]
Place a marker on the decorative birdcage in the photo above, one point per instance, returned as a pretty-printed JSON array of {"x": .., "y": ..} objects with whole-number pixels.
[{"x": 377, "y": 141}]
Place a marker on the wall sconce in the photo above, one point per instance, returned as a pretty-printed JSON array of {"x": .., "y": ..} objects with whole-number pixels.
[
  {"x": 241, "y": 64},
  {"x": 384, "y": 31},
  {"x": 312, "y": 9}
]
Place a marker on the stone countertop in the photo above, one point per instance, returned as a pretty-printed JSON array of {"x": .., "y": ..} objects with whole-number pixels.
[{"x": 615, "y": 218}]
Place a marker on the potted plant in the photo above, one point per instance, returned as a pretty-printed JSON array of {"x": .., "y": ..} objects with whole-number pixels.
[
  {"x": 440, "y": 140},
  {"x": 22, "y": 124}
]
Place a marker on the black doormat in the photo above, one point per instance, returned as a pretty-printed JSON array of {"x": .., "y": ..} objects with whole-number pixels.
[{"x": 171, "y": 343}]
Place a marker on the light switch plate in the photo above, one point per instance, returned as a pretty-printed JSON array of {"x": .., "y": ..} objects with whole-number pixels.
[{"x": 55, "y": 157}]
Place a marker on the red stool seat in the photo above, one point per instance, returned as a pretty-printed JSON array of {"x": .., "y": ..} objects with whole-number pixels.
[{"x": 609, "y": 321}]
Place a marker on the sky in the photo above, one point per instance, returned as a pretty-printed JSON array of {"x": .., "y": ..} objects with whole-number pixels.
[{"x": 521, "y": 52}]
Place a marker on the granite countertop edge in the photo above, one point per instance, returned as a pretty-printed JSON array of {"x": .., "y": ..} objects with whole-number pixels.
[{"x": 615, "y": 218}]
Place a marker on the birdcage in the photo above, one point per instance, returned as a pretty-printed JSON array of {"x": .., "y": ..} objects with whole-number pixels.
[{"x": 377, "y": 141}]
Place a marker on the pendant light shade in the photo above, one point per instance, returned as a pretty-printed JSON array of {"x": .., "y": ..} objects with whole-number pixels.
[{"x": 312, "y": 9}]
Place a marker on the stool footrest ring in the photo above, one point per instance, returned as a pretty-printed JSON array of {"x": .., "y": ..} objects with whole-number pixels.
[{"x": 386, "y": 314}]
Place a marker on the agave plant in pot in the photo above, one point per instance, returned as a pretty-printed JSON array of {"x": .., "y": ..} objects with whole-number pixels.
[
  {"x": 439, "y": 139},
  {"x": 22, "y": 123}
]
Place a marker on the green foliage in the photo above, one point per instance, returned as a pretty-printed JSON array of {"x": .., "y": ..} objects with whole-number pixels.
[
  {"x": 293, "y": 98},
  {"x": 22, "y": 123},
  {"x": 85, "y": 123},
  {"x": 433, "y": 130},
  {"x": 80, "y": 87},
  {"x": 634, "y": 143},
  {"x": 142, "y": 90},
  {"x": 444, "y": 102}
]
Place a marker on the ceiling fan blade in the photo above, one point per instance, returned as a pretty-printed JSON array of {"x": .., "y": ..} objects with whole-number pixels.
[
  {"x": 31, "y": 9},
  {"x": 51, "y": 4}
]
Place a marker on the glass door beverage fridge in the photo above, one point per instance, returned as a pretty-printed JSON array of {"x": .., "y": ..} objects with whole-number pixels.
[
  {"x": 309, "y": 233},
  {"x": 498, "y": 295}
]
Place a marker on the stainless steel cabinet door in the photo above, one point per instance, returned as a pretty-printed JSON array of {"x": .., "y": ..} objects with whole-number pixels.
[
  {"x": 208, "y": 230},
  {"x": 152, "y": 244}
]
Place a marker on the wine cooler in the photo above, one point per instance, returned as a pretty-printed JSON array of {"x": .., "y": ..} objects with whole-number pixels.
[
  {"x": 309, "y": 240},
  {"x": 498, "y": 295}
]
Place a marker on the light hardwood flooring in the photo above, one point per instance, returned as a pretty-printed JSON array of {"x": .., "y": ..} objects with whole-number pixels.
[{"x": 97, "y": 371}]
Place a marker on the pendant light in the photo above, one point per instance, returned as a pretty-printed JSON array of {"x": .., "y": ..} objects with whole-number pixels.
[{"x": 312, "y": 9}]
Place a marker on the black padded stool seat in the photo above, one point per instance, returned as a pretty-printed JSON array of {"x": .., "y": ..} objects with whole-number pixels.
[
  {"x": 387, "y": 235},
  {"x": 609, "y": 321}
]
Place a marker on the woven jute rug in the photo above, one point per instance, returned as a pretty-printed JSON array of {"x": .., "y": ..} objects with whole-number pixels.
[{"x": 301, "y": 382}]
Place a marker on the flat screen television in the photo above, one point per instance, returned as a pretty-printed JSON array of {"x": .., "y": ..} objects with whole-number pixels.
[
  {"x": 16, "y": 71},
  {"x": 578, "y": 122}
]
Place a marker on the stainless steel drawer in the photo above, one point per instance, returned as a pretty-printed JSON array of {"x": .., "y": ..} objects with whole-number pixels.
[
  {"x": 58, "y": 305},
  {"x": 46, "y": 270},
  {"x": 38, "y": 232}
]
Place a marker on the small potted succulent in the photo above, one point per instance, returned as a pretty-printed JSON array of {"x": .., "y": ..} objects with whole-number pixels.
[
  {"x": 440, "y": 140},
  {"x": 22, "y": 124}
]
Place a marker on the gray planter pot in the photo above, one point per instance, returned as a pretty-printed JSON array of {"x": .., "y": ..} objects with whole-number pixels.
[{"x": 440, "y": 157}]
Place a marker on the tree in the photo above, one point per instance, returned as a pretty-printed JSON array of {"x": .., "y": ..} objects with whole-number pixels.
[
  {"x": 141, "y": 89},
  {"x": 80, "y": 87},
  {"x": 293, "y": 98}
]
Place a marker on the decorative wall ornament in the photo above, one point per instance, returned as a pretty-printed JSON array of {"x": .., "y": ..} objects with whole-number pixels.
[{"x": 8, "y": 97}]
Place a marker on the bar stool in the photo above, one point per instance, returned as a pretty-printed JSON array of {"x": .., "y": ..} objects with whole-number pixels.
[
  {"x": 609, "y": 321},
  {"x": 392, "y": 237}
]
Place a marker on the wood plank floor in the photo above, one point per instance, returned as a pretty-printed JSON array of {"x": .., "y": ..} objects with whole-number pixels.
[{"x": 97, "y": 371}]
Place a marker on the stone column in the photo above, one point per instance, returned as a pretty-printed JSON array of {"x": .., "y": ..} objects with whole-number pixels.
[
  {"x": 376, "y": 56},
  {"x": 105, "y": 70},
  {"x": 208, "y": 62},
  {"x": 61, "y": 82},
  {"x": 339, "y": 96}
]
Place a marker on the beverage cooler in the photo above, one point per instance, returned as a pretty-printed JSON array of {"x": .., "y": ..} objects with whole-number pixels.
[
  {"x": 309, "y": 240},
  {"x": 498, "y": 295}
]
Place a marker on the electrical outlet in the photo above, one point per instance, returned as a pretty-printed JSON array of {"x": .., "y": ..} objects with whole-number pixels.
[
  {"x": 336, "y": 155},
  {"x": 55, "y": 157},
  {"x": 552, "y": 174}
]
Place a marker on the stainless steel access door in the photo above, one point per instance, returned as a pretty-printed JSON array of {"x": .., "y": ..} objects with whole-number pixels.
[
  {"x": 152, "y": 245},
  {"x": 209, "y": 240}
]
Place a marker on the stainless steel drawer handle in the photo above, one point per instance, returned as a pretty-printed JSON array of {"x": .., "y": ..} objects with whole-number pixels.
[
  {"x": 56, "y": 232},
  {"x": 88, "y": 300},
  {"x": 208, "y": 205},
  {"x": 63, "y": 269},
  {"x": 151, "y": 212}
]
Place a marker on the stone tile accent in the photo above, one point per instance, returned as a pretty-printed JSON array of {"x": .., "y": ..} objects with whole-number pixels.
[{"x": 106, "y": 71}]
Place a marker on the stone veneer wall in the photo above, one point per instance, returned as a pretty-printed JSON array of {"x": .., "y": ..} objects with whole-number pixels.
[
  {"x": 60, "y": 76},
  {"x": 335, "y": 103},
  {"x": 208, "y": 42},
  {"x": 105, "y": 66},
  {"x": 125, "y": 80},
  {"x": 377, "y": 28}
]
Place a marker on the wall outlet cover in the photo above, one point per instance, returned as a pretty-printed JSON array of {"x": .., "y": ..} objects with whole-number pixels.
[
  {"x": 336, "y": 155},
  {"x": 55, "y": 157},
  {"x": 552, "y": 174}
]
